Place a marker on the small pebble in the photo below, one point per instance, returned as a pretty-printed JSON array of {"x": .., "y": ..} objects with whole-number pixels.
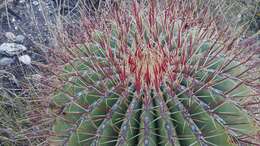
[
  {"x": 6, "y": 61},
  {"x": 19, "y": 38},
  {"x": 12, "y": 49},
  {"x": 36, "y": 3},
  {"x": 146, "y": 142},
  {"x": 26, "y": 59},
  {"x": 10, "y": 35},
  {"x": 13, "y": 20}
]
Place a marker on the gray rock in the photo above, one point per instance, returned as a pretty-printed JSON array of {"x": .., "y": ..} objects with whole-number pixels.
[
  {"x": 25, "y": 59},
  {"x": 12, "y": 49},
  {"x": 6, "y": 61},
  {"x": 19, "y": 38},
  {"x": 10, "y": 36}
]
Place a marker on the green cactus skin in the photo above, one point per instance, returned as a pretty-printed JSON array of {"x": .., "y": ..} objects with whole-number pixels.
[{"x": 111, "y": 96}]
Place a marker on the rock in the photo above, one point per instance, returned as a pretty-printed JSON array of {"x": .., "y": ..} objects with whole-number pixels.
[
  {"x": 10, "y": 35},
  {"x": 35, "y": 3},
  {"x": 11, "y": 49},
  {"x": 6, "y": 61},
  {"x": 19, "y": 38},
  {"x": 26, "y": 59}
]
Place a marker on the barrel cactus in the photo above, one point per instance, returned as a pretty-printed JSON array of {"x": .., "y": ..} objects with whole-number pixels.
[{"x": 153, "y": 73}]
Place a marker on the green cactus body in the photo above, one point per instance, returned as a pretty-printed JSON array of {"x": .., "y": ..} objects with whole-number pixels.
[{"x": 155, "y": 77}]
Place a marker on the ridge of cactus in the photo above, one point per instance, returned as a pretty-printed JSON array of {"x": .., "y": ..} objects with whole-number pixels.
[{"x": 154, "y": 73}]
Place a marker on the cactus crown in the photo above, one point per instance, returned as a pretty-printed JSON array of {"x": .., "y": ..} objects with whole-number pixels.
[{"x": 153, "y": 74}]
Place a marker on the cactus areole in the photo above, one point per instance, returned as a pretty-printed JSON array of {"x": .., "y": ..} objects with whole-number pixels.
[
  {"x": 146, "y": 67},
  {"x": 155, "y": 73}
]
